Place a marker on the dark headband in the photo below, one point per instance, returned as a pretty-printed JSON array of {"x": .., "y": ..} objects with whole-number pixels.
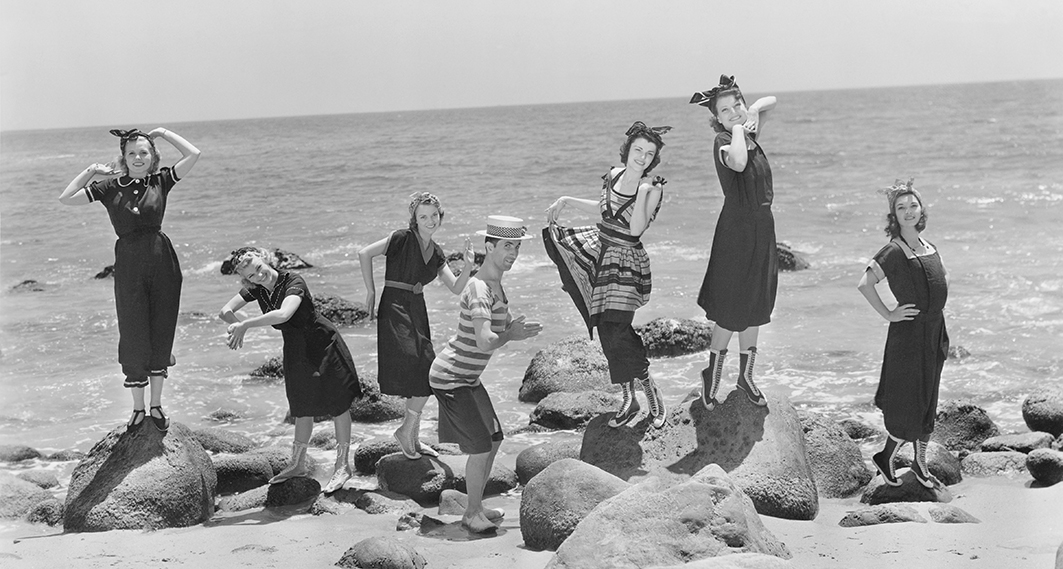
[
  {"x": 640, "y": 128},
  {"x": 707, "y": 98},
  {"x": 129, "y": 134}
]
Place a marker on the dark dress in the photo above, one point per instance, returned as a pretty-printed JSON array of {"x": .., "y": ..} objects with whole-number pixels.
[
  {"x": 147, "y": 274},
  {"x": 319, "y": 374},
  {"x": 404, "y": 341},
  {"x": 915, "y": 349},
  {"x": 743, "y": 276}
]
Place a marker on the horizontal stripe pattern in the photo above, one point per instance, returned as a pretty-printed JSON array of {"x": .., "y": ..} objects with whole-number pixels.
[{"x": 461, "y": 362}]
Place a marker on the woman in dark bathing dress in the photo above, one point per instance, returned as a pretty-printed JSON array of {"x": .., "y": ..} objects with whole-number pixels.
[
  {"x": 738, "y": 293},
  {"x": 319, "y": 374},
  {"x": 917, "y": 343}
]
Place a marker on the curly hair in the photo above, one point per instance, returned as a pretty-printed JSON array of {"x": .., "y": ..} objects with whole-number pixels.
[
  {"x": 423, "y": 198},
  {"x": 155, "y": 158},
  {"x": 715, "y": 121},
  {"x": 893, "y": 227},
  {"x": 649, "y": 136},
  {"x": 244, "y": 255}
]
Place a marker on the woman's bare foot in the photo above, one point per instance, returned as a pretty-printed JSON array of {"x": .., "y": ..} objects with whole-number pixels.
[{"x": 478, "y": 523}]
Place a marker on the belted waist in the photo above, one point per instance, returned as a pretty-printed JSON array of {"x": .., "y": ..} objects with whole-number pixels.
[
  {"x": 414, "y": 288},
  {"x": 614, "y": 237},
  {"x": 142, "y": 231}
]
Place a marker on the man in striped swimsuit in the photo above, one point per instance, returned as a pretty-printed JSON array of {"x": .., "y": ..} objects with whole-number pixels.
[{"x": 466, "y": 415}]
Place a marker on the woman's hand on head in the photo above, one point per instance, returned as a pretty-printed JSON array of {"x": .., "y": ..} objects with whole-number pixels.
[
  {"x": 903, "y": 312},
  {"x": 752, "y": 121},
  {"x": 236, "y": 335},
  {"x": 156, "y": 133}
]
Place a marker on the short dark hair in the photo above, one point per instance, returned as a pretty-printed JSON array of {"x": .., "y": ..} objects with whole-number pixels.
[
  {"x": 649, "y": 136},
  {"x": 893, "y": 228},
  {"x": 734, "y": 91}
]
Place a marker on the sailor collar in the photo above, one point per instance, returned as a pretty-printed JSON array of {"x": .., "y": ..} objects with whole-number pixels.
[{"x": 130, "y": 181}]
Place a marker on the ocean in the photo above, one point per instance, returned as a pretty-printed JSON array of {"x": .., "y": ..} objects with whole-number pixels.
[{"x": 988, "y": 159}]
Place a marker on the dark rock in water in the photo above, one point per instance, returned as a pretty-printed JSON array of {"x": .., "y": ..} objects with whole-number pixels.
[
  {"x": 285, "y": 260},
  {"x": 18, "y": 497},
  {"x": 382, "y": 553},
  {"x": 910, "y": 490},
  {"x": 44, "y": 478},
  {"x": 456, "y": 262},
  {"x": 761, "y": 448},
  {"x": 670, "y": 337},
  {"x": 30, "y": 285},
  {"x": 273, "y": 369},
  {"x": 340, "y": 311},
  {"x": 985, "y": 464},
  {"x": 535, "y": 459},
  {"x": 17, "y": 453},
  {"x": 1043, "y": 411},
  {"x": 962, "y": 425},
  {"x": 376, "y": 502},
  {"x": 224, "y": 416},
  {"x": 881, "y": 514},
  {"x": 66, "y": 456},
  {"x": 958, "y": 352},
  {"x": 790, "y": 260},
  {"x": 48, "y": 512},
  {"x": 571, "y": 365},
  {"x": 858, "y": 430},
  {"x": 221, "y": 440},
  {"x": 836, "y": 462},
  {"x": 652, "y": 524},
  {"x": 943, "y": 464},
  {"x": 559, "y": 498},
  {"x": 241, "y": 472},
  {"x": 1021, "y": 442},
  {"x": 1045, "y": 465},
  {"x": 573, "y": 410},
  {"x": 139, "y": 478},
  {"x": 106, "y": 273},
  {"x": 374, "y": 406},
  {"x": 949, "y": 514},
  {"x": 324, "y": 439},
  {"x": 425, "y": 478}
]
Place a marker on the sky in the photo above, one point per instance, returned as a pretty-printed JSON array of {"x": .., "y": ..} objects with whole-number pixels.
[{"x": 77, "y": 63}]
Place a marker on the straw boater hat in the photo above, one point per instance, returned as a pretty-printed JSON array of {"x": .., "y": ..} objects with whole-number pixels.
[{"x": 505, "y": 227}]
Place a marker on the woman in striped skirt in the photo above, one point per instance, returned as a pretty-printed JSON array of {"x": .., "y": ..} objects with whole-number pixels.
[{"x": 606, "y": 270}]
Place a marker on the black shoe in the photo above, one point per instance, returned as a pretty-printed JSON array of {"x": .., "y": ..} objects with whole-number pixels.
[
  {"x": 161, "y": 423},
  {"x": 136, "y": 419},
  {"x": 626, "y": 414},
  {"x": 886, "y": 470}
]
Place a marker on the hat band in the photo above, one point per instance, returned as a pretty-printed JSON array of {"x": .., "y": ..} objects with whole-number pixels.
[{"x": 505, "y": 232}]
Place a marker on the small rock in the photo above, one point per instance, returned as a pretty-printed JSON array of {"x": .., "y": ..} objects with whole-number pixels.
[
  {"x": 943, "y": 464},
  {"x": 562, "y": 410},
  {"x": 881, "y": 514},
  {"x": 273, "y": 368},
  {"x": 340, "y": 311},
  {"x": 1043, "y": 411},
  {"x": 106, "y": 273},
  {"x": 670, "y": 337},
  {"x": 324, "y": 439},
  {"x": 44, "y": 478},
  {"x": 958, "y": 352},
  {"x": 322, "y": 507},
  {"x": 241, "y": 472},
  {"x": 381, "y": 553},
  {"x": 1045, "y": 465},
  {"x": 18, "y": 497},
  {"x": 285, "y": 260},
  {"x": 66, "y": 456},
  {"x": 48, "y": 512},
  {"x": 29, "y": 285},
  {"x": 374, "y": 406},
  {"x": 910, "y": 490},
  {"x": 452, "y": 503},
  {"x": 224, "y": 416},
  {"x": 535, "y": 459},
  {"x": 790, "y": 260},
  {"x": 17, "y": 453},
  {"x": 858, "y": 430},
  {"x": 376, "y": 502},
  {"x": 949, "y": 514},
  {"x": 985, "y": 464},
  {"x": 1023, "y": 442},
  {"x": 221, "y": 440},
  {"x": 962, "y": 425},
  {"x": 417, "y": 520}
]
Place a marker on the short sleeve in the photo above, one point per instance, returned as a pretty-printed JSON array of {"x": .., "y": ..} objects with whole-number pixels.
[
  {"x": 479, "y": 299},
  {"x": 167, "y": 178},
  {"x": 100, "y": 189},
  {"x": 885, "y": 262},
  {"x": 296, "y": 287},
  {"x": 246, "y": 294},
  {"x": 396, "y": 241},
  {"x": 725, "y": 173}
]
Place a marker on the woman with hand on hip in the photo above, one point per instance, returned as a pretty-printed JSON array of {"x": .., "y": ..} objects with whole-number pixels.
[
  {"x": 147, "y": 274},
  {"x": 738, "y": 292},
  {"x": 404, "y": 339},
  {"x": 917, "y": 343},
  {"x": 606, "y": 270}
]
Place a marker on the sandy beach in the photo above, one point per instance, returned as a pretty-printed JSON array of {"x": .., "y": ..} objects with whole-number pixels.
[{"x": 1021, "y": 527}]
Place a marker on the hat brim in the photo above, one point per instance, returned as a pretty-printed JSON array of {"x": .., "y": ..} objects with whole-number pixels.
[{"x": 484, "y": 233}]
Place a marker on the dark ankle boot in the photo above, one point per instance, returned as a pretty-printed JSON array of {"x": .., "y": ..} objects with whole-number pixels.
[
  {"x": 710, "y": 378},
  {"x": 884, "y": 460},
  {"x": 745, "y": 377},
  {"x": 919, "y": 465}
]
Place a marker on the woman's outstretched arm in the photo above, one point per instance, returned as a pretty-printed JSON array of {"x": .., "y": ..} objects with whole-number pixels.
[{"x": 189, "y": 153}]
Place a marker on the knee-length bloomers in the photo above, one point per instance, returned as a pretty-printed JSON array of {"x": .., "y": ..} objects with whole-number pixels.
[{"x": 915, "y": 349}]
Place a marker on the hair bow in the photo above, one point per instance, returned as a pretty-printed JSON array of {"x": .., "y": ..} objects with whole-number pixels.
[
  {"x": 705, "y": 98},
  {"x": 640, "y": 126},
  {"x": 129, "y": 134},
  {"x": 899, "y": 188}
]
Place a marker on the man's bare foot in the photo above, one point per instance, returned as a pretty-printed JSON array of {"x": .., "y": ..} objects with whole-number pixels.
[
  {"x": 494, "y": 514},
  {"x": 478, "y": 524}
]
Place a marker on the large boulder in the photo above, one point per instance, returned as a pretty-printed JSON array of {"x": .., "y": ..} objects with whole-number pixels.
[
  {"x": 943, "y": 464},
  {"x": 18, "y": 453},
  {"x": 962, "y": 426},
  {"x": 291, "y": 492},
  {"x": 836, "y": 462},
  {"x": 425, "y": 478},
  {"x": 381, "y": 553},
  {"x": 140, "y": 478},
  {"x": 368, "y": 454},
  {"x": 910, "y": 490},
  {"x": 535, "y": 459},
  {"x": 984, "y": 464},
  {"x": 574, "y": 364},
  {"x": 652, "y": 524},
  {"x": 557, "y": 500},
  {"x": 881, "y": 514},
  {"x": 762, "y": 448},
  {"x": 1043, "y": 411},
  {"x": 18, "y": 497},
  {"x": 670, "y": 337},
  {"x": 1021, "y": 442},
  {"x": 563, "y": 410},
  {"x": 1045, "y": 465},
  {"x": 279, "y": 456},
  {"x": 222, "y": 440},
  {"x": 241, "y": 472}
]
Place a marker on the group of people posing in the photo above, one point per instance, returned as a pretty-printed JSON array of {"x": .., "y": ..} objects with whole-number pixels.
[{"x": 604, "y": 268}]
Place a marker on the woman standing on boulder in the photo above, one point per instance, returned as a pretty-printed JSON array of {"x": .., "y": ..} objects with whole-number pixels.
[
  {"x": 404, "y": 340},
  {"x": 606, "y": 270},
  {"x": 147, "y": 274},
  {"x": 917, "y": 343},
  {"x": 738, "y": 292},
  {"x": 319, "y": 374}
]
